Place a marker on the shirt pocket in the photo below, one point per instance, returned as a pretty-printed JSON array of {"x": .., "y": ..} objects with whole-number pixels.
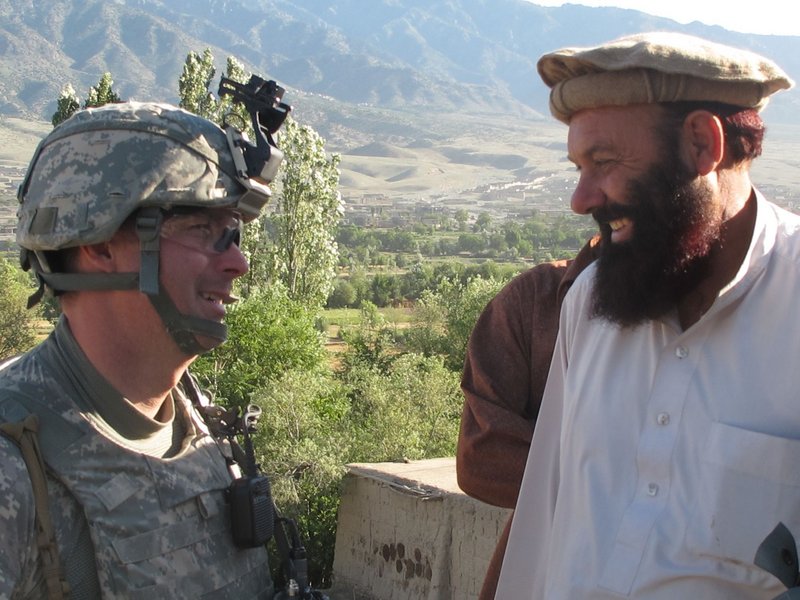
[{"x": 749, "y": 482}]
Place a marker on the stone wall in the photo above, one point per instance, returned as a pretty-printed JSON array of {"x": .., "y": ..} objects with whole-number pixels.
[{"x": 407, "y": 532}]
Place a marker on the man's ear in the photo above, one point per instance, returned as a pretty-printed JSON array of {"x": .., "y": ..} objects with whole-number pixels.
[
  {"x": 704, "y": 139},
  {"x": 96, "y": 258}
]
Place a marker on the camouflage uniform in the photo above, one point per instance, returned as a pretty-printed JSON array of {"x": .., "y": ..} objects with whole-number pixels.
[
  {"x": 129, "y": 524},
  {"x": 137, "y": 513}
]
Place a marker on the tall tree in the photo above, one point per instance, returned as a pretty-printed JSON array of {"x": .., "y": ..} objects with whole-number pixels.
[
  {"x": 308, "y": 211},
  {"x": 102, "y": 93},
  {"x": 297, "y": 244},
  {"x": 68, "y": 103},
  {"x": 194, "y": 85}
]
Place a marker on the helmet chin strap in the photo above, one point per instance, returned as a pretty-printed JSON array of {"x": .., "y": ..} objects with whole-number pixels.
[{"x": 184, "y": 329}]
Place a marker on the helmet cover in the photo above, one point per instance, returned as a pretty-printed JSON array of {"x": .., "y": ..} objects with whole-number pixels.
[{"x": 102, "y": 164}]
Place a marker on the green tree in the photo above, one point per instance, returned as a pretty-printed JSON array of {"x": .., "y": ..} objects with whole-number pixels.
[
  {"x": 268, "y": 333},
  {"x": 483, "y": 222},
  {"x": 296, "y": 245},
  {"x": 443, "y": 319},
  {"x": 194, "y": 85},
  {"x": 17, "y": 323},
  {"x": 308, "y": 209},
  {"x": 68, "y": 103},
  {"x": 197, "y": 95},
  {"x": 101, "y": 93},
  {"x": 343, "y": 294},
  {"x": 461, "y": 217}
]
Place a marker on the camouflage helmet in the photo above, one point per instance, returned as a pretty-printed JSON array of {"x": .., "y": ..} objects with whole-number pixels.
[{"x": 102, "y": 164}]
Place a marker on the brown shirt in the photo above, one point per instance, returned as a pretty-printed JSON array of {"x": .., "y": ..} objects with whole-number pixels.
[{"x": 508, "y": 358}]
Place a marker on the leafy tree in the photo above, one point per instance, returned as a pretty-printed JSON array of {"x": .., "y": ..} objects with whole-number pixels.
[
  {"x": 343, "y": 294},
  {"x": 197, "y": 96},
  {"x": 194, "y": 85},
  {"x": 471, "y": 242},
  {"x": 308, "y": 209},
  {"x": 268, "y": 333},
  {"x": 68, "y": 103},
  {"x": 295, "y": 246},
  {"x": 17, "y": 323},
  {"x": 101, "y": 93},
  {"x": 461, "y": 217},
  {"x": 483, "y": 222},
  {"x": 444, "y": 319}
]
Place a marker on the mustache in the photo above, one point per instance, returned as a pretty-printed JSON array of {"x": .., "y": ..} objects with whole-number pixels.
[{"x": 612, "y": 211}]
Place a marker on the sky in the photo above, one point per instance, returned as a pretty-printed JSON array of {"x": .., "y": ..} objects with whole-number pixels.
[{"x": 769, "y": 17}]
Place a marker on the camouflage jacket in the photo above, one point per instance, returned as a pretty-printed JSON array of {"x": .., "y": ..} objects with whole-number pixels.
[{"x": 153, "y": 528}]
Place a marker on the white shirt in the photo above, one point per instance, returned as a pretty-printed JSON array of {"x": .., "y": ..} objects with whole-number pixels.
[{"x": 662, "y": 458}]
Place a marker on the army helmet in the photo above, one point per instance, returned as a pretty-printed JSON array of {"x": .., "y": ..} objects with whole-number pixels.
[{"x": 102, "y": 165}]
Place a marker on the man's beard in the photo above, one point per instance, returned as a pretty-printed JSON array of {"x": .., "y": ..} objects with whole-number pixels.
[{"x": 674, "y": 230}]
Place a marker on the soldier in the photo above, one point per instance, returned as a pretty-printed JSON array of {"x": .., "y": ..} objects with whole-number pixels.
[{"x": 131, "y": 214}]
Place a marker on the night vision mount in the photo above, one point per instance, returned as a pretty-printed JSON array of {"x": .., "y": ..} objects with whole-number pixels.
[{"x": 263, "y": 100}]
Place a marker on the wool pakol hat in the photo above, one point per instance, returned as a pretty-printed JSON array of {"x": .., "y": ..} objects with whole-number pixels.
[{"x": 657, "y": 67}]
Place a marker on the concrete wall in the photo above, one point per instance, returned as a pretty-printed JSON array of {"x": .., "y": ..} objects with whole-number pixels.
[{"x": 407, "y": 532}]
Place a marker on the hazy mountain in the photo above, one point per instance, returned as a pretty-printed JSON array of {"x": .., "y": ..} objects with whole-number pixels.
[{"x": 343, "y": 61}]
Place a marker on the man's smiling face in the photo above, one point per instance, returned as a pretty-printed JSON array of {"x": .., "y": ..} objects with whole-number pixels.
[{"x": 657, "y": 219}]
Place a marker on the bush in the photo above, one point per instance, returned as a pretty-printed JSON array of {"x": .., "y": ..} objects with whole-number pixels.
[
  {"x": 444, "y": 319},
  {"x": 316, "y": 422},
  {"x": 268, "y": 334},
  {"x": 302, "y": 444},
  {"x": 17, "y": 323}
]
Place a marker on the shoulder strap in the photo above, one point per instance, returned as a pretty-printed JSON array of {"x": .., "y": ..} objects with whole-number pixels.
[{"x": 24, "y": 433}]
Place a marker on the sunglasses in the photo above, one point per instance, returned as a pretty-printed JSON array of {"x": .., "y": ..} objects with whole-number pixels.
[{"x": 207, "y": 230}]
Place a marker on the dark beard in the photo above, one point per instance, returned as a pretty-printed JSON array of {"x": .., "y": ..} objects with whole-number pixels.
[{"x": 674, "y": 229}]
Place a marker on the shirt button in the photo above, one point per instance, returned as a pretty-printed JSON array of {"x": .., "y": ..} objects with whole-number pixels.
[
  {"x": 681, "y": 352},
  {"x": 652, "y": 489},
  {"x": 663, "y": 418}
]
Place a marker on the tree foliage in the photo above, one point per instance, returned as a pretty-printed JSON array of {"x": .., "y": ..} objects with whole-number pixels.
[
  {"x": 444, "y": 319},
  {"x": 314, "y": 423},
  {"x": 197, "y": 95},
  {"x": 102, "y": 93},
  {"x": 194, "y": 85},
  {"x": 17, "y": 323},
  {"x": 268, "y": 334},
  {"x": 308, "y": 209},
  {"x": 297, "y": 245},
  {"x": 68, "y": 102}
]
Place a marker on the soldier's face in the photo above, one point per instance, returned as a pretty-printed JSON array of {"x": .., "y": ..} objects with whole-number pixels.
[{"x": 200, "y": 259}]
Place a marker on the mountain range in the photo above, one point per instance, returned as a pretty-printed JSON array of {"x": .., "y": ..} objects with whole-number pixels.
[{"x": 347, "y": 64}]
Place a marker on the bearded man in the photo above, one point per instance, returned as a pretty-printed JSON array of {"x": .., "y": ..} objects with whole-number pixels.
[{"x": 665, "y": 449}]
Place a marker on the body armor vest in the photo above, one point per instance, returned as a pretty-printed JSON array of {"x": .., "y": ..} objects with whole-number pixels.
[{"x": 160, "y": 527}]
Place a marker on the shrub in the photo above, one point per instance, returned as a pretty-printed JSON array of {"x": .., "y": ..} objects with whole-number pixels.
[
  {"x": 268, "y": 334},
  {"x": 17, "y": 323},
  {"x": 316, "y": 422}
]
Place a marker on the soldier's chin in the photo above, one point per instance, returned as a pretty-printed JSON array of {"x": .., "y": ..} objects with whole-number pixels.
[{"x": 207, "y": 342}]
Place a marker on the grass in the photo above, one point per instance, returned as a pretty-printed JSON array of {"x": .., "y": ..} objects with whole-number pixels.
[{"x": 344, "y": 317}]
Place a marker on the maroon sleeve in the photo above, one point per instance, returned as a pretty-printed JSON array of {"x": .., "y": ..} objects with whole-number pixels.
[{"x": 508, "y": 357}]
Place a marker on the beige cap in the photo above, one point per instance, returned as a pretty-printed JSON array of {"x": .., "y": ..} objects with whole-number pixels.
[{"x": 657, "y": 67}]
